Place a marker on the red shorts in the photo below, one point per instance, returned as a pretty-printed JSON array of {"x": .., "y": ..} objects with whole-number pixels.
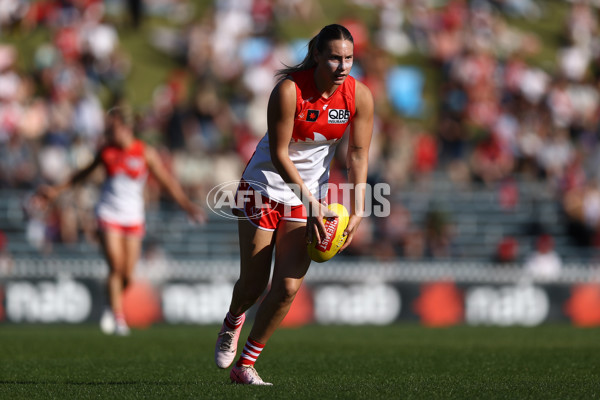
[
  {"x": 263, "y": 212},
  {"x": 138, "y": 230}
]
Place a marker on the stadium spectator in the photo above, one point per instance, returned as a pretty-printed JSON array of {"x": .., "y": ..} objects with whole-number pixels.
[
  {"x": 393, "y": 232},
  {"x": 6, "y": 259},
  {"x": 425, "y": 156},
  {"x": 120, "y": 210},
  {"x": 543, "y": 263},
  {"x": 438, "y": 234},
  {"x": 507, "y": 251},
  {"x": 582, "y": 207},
  {"x": 414, "y": 245},
  {"x": 490, "y": 162},
  {"x": 308, "y": 112},
  {"x": 508, "y": 194}
]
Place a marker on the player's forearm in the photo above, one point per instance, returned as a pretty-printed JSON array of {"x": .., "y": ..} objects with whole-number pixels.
[
  {"x": 289, "y": 173},
  {"x": 176, "y": 192},
  {"x": 77, "y": 178},
  {"x": 358, "y": 166}
]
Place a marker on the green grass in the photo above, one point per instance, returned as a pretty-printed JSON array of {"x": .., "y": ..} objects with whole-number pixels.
[
  {"x": 550, "y": 31},
  {"x": 402, "y": 361},
  {"x": 149, "y": 67}
]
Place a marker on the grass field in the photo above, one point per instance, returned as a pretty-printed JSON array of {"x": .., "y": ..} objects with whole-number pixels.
[{"x": 402, "y": 361}]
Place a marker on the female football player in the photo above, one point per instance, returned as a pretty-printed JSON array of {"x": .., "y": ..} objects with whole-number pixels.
[
  {"x": 120, "y": 209},
  {"x": 308, "y": 113}
]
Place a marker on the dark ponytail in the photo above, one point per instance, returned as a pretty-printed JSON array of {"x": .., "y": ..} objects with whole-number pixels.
[
  {"x": 317, "y": 45},
  {"x": 124, "y": 113}
]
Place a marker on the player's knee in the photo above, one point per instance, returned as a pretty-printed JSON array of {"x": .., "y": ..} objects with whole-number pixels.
[
  {"x": 252, "y": 287},
  {"x": 252, "y": 296},
  {"x": 116, "y": 273},
  {"x": 285, "y": 292},
  {"x": 120, "y": 272},
  {"x": 250, "y": 292}
]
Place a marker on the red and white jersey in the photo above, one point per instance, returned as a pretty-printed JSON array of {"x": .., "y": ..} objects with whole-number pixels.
[
  {"x": 122, "y": 194},
  {"x": 319, "y": 124}
]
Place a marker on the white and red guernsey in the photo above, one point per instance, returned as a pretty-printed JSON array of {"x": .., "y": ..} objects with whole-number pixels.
[
  {"x": 319, "y": 124},
  {"x": 121, "y": 198}
]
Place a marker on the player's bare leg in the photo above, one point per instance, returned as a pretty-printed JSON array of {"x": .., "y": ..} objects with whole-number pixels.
[
  {"x": 112, "y": 246},
  {"x": 132, "y": 247},
  {"x": 256, "y": 249},
  {"x": 291, "y": 265}
]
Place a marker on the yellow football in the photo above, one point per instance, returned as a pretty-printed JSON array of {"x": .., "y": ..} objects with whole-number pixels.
[{"x": 334, "y": 227}]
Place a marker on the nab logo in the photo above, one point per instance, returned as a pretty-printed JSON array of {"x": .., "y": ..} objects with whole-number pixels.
[
  {"x": 312, "y": 115},
  {"x": 338, "y": 116}
]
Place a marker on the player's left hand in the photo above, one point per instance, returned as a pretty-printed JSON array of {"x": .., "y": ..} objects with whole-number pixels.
[
  {"x": 196, "y": 214},
  {"x": 353, "y": 224}
]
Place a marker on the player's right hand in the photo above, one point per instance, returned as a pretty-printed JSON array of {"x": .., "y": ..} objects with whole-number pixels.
[
  {"x": 315, "y": 227},
  {"x": 47, "y": 192}
]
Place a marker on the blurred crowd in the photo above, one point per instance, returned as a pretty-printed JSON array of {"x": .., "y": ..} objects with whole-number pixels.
[{"x": 475, "y": 105}]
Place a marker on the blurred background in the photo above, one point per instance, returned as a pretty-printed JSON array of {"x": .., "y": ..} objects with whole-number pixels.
[{"x": 486, "y": 129}]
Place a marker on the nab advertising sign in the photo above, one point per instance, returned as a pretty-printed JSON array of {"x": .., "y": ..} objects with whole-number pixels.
[
  {"x": 62, "y": 300},
  {"x": 432, "y": 303}
]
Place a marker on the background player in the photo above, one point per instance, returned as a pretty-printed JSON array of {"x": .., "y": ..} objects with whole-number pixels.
[{"x": 120, "y": 209}]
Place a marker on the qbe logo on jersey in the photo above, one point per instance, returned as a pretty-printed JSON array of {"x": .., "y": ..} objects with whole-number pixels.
[{"x": 337, "y": 116}]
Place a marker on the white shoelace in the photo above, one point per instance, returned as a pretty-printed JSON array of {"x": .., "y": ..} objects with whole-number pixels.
[{"x": 227, "y": 340}]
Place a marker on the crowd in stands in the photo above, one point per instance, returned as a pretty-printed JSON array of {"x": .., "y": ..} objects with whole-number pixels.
[{"x": 493, "y": 114}]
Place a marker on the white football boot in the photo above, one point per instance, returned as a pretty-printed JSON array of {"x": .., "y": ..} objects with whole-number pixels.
[
  {"x": 108, "y": 325},
  {"x": 122, "y": 329},
  {"x": 246, "y": 375},
  {"x": 226, "y": 346}
]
